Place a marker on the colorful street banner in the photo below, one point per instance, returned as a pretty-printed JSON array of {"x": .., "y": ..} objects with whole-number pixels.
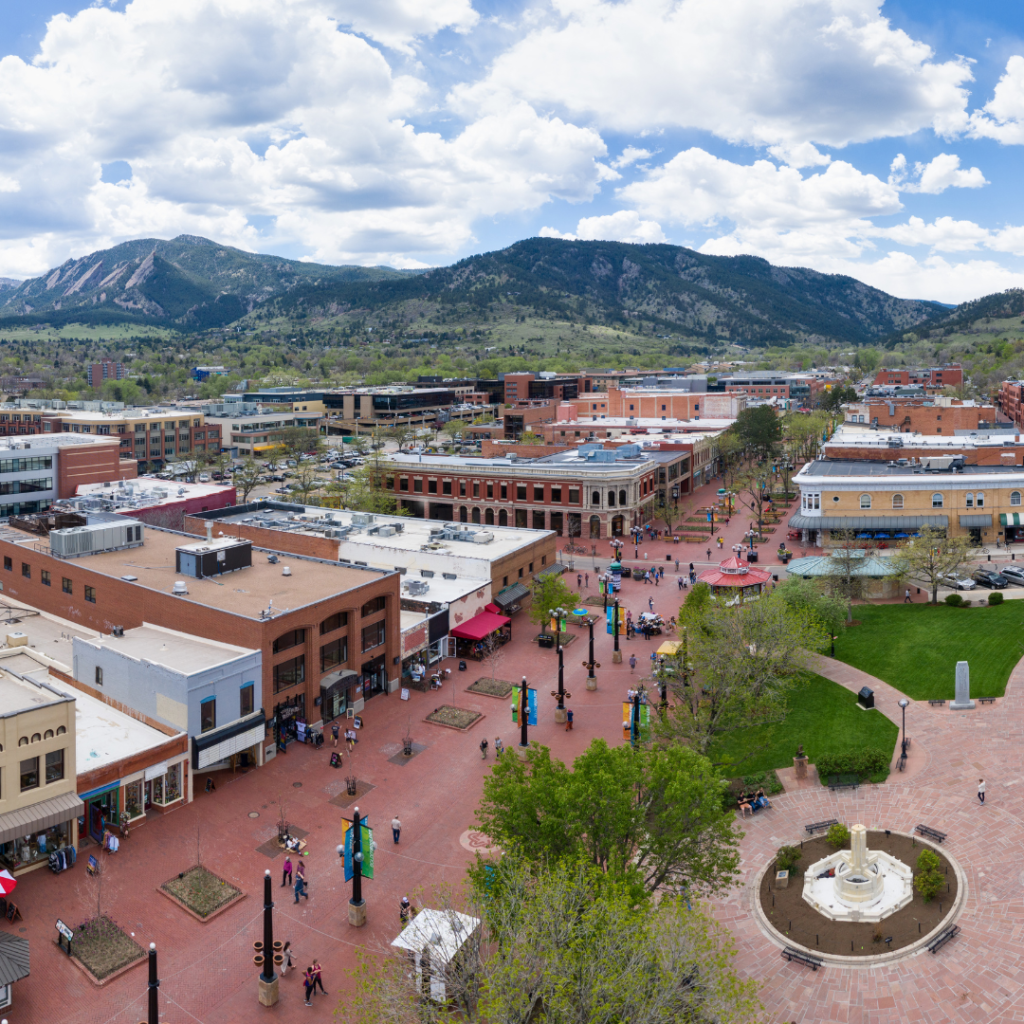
[
  {"x": 366, "y": 847},
  {"x": 627, "y": 721},
  {"x": 531, "y": 703},
  {"x": 609, "y": 614}
]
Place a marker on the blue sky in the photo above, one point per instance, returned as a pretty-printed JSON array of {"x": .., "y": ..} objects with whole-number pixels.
[{"x": 881, "y": 141}]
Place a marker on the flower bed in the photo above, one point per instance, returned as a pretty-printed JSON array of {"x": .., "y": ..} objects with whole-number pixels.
[
  {"x": 490, "y": 687},
  {"x": 104, "y": 949},
  {"x": 454, "y": 718},
  {"x": 201, "y": 892}
]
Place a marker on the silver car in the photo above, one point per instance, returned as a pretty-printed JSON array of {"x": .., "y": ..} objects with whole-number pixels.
[
  {"x": 955, "y": 581},
  {"x": 1014, "y": 573}
]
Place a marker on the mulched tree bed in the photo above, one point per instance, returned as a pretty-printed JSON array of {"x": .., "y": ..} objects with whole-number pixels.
[
  {"x": 798, "y": 922},
  {"x": 488, "y": 686},
  {"x": 104, "y": 949},
  {"x": 201, "y": 892},
  {"x": 454, "y": 718}
]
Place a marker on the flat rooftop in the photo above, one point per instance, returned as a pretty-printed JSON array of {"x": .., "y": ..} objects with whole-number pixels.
[
  {"x": 652, "y": 422},
  {"x": 989, "y": 438},
  {"x": 86, "y": 416},
  {"x": 51, "y": 442},
  {"x": 149, "y": 491},
  {"x": 313, "y": 520},
  {"x": 178, "y": 651},
  {"x": 20, "y": 694},
  {"x": 247, "y": 592},
  {"x": 852, "y": 468}
]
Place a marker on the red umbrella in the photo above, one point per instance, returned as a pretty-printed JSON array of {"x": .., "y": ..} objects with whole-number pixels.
[{"x": 7, "y": 883}]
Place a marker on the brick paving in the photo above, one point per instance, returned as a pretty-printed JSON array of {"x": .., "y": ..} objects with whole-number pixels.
[{"x": 207, "y": 973}]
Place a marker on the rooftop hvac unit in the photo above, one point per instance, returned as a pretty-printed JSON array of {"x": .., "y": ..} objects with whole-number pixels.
[
  {"x": 483, "y": 537},
  {"x": 180, "y": 588},
  {"x": 386, "y": 531},
  {"x": 361, "y": 518},
  {"x": 93, "y": 538},
  {"x": 417, "y": 587}
]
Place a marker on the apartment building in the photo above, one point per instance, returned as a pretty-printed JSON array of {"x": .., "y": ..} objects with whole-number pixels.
[
  {"x": 589, "y": 492},
  {"x": 920, "y": 415},
  {"x": 933, "y": 377},
  {"x": 1010, "y": 402},
  {"x": 253, "y": 435},
  {"x": 660, "y": 404},
  {"x": 99, "y": 373},
  {"x": 316, "y": 623}
]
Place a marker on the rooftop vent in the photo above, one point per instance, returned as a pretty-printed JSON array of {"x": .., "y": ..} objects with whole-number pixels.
[
  {"x": 286, "y": 571},
  {"x": 179, "y": 588}
]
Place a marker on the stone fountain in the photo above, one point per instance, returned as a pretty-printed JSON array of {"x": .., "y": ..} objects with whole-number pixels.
[{"x": 858, "y": 884}]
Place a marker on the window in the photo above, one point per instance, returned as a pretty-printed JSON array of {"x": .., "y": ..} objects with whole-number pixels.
[
  {"x": 246, "y": 700},
  {"x": 8, "y": 564},
  {"x": 979, "y": 501},
  {"x": 403, "y": 483},
  {"x": 897, "y": 501},
  {"x": 476, "y": 489},
  {"x": 520, "y": 573},
  {"x": 970, "y": 499},
  {"x": 373, "y": 606},
  {"x": 462, "y": 488},
  {"x": 595, "y": 498},
  {"x": 373, "y": 635},
  {"x": 208, "y": 714},
  {"x": 865, "y": 501},
  {"x": 574, "y": 495},
  {"x": 556, "y": 494},
  {"x": 333, "y": 622},
  {"x": 26, "y": 570},
  {"x": 289, "y": 673},
  {"x": 65, "y": 585},
  {"x": 44, "y": 577},
  {"x": 30, "y": 774},
  {"x": 521, "y": 492},
  {"x": 90, "y": 594},
  {"x": 538, "y": 492},
  {"x": 490, "y": 490},
  {"x": 292, "y": 638},
  {"x": 54, "y": 766},
  {"x": 431, "y": 487},
  {"x": 99, "y": 676},
  {"x": 417, "y": 485},
  {"x": 446, "y": 487},
  {"x": 334, "y": 654},
  {"x": 1014, "y": 497},
  {"x": 504, "y": 492},
  {"x": 622, "y": 498},
  {"x": 936, "y": 500}
]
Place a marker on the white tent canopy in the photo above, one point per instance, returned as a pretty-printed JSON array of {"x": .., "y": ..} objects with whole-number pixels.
[{"x": 436, "y": 936}]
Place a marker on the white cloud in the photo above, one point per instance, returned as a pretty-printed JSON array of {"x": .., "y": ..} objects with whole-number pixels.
[
  {"x": 1002, "y": 118},
  {"x": 934, "y": 177},
  {"x": 624, "y": 226},
  {"x": 398, "y": 23},
  {"x": 944, "y": 234},
  {"x": 804, "y": 154},
  {"x": 630, "y": 155},
  {"x": 778, "y": 74}
]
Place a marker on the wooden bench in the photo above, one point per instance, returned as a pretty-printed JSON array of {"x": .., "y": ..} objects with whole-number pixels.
[
  {"x": 986, "y": 700},
  {"x": 836, "y": 782},
  {"x": 804, "y": 958},
  {"x": 939, "y": 941},
  {"x": 930, "y": 833},
  {"x": 819, "y": 826},
  {"x": 940, "y": 702}
]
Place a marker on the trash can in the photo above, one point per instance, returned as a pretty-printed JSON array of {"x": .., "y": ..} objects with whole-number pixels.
[
  {"x": 752, "y": 555},
  {"x": 866, "y": 697}
]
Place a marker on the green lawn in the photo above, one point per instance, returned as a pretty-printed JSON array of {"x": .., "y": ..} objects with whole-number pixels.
[
  {"x": 915, "y": 647},
  {"x": 823, "y": 716}
]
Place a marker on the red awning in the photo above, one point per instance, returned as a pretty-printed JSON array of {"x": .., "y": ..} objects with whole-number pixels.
[
  {"x": 480, "y": 626},
  {"x": 492, "y": 607}
]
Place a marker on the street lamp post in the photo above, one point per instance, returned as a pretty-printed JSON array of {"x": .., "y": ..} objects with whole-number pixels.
[
  {"x": 268, "y": 977},
  {"x": 635, "y": 731},
  {"x": 903, "y": 747},
  {"x": 616, "y": 653},
  {"x": 590, "y": 665},
  {"x": 524, "y": 714},
  {"x": 154, "y": 984},
  {"x": 356, "y": 905},
  {"x": 559, "y": 614}
]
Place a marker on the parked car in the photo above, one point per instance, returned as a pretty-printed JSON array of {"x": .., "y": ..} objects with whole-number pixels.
[
  {"x": 204, "y": 478},
  {"x": 1014, "y": 573},
  {"x": 957, "y": 582},
  {"x": 992, "y": 580}
]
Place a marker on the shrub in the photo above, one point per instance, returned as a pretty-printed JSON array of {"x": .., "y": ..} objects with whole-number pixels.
[
  {"x": 995, "y": 598},
  {"x": 954, "y": 600},
  {"x": 965, "y": 603},
  {"x": 768, "y": 781},
  {"x": 786, "y": 858},
  {"x": 863, "y": 763},
  {"x": 838, "y": 836},
  {"x": 928, "y": 880}
]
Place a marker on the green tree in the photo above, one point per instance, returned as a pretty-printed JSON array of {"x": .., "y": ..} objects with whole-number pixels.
[
  {"x": 667, "y": 511},
  {"x": 815, "y": 598},
  {"x": 302, "y": 441},
  {"x": 928, "y": 880},
  {"x": 833, "y": 400},
  {"x": 366, "y": 489},
  {"x": 759, "y": 429},
  {"x": 652, "y": 814},
  {"x": 930, "y": 557},
  {"x": 246, "y": 477},
  {"x": 550, "y": 591}
]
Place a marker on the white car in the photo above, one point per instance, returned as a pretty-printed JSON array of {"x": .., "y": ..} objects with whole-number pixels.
[
  {"x": 955, "y": 581},
  {"x": 204, "y": 478}
]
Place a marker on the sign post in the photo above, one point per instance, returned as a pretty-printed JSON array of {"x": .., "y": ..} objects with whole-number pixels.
[{"x": 64, "y": 934}]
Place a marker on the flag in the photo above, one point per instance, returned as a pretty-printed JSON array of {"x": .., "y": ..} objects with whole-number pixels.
[
  {"x": 610, "y": 620},
  {"x": 531, "y": 703},
  {"x": 366, "y": 847}
]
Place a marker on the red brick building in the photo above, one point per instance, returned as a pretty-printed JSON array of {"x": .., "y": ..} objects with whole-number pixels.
[
  {"x": 921, "y": 415},
  {"x": 937, "y": 377},
  {"x": 1011, "y": 401}
]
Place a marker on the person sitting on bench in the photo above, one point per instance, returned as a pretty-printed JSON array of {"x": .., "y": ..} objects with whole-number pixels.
[
  {"x": 760, "y": 800},
  {"x": 745, "y": 805}
]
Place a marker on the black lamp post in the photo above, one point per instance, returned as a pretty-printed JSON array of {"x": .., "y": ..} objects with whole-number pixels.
[
  {"x": 617, "y": 655},
  {"x": 356, "y": 905},
  {"x": 268, "y": 978},
  {"x": 636, "y": 717},
  {"x": 559, "y": 614},
  {"x": 903, "y": 704},
  {"x": 590, "y": 664},
  {"x": 524, "y": 714},
  {"x": 154, "y": 984}
]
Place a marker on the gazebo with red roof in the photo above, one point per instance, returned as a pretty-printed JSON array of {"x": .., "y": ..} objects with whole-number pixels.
[{"x": 734, "y": 576}]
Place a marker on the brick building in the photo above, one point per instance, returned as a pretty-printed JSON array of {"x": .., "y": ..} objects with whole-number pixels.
[
  {"x": 99, "y": 373},
  {"x": 320, "y": 626},
  {"x": 660, "y": 404},
  {"x": 921, "y": 415},
  {"x": 1011, "y": 401},
  {"x": 934, "y": 377},
  {"x": 154, "y": 502}
]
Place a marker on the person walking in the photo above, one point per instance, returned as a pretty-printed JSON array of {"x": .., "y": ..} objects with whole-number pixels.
[
  {"x": 289, "y": 958},
  {"x": 568, "y": 720},
  {"x": 300, "y": 870},
  {"x": 483, "y": 748},
  {"x": 906, "y": 597},
  {"x": 498, "y": 746},
  {"x": 317, "y": 977},
  {"x": 677, "y": 565},
  {"x": 300, "y": 888},
  {"x": 632, "y": 663},
  {"x": 307, "y": 980},
  {"x": 403, "y": 911},
  {"x": 334, "y": 733},
  {"x": 586, "y": 580},
  {"x": 396, "y": 828},
  {"x": 679, "y": 583},
  {"x": 981, "y": 790},
  {"x": 650, "y": 603},
  {"x": 350, "y": 739},
  {"x": 709, "y": 554},
  {"x": 579, "y": 580},
  {"x": 286, "y": 873}
]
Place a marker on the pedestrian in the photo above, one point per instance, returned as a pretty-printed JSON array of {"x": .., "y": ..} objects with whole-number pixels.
[
  {"x": 677, "y": 565},
  {"x": 650, "y": 603},
  {"x": 632, "y": 663},
  {"x": 334, "y": 733},
  {"x": 350, "y": 739},
  {"x": 709, "y": 554},
  {"x": 679, "y": 583},
  {"x": 396, "y": 828},
  {"x": 586, "y": 580},
  {"x": 317, "y": 979},
  {"x": 654, "y": 658},
  {"x": 568, "y": 720},
  {"x": 286, "y": 874},
  {"x": 726, "y": 520},
  {"x": 691, "y": 568},
  {"x": 498, "y": 746},
  {"x": 289, "y": 958},
  {"x": 307, "y": 980},
  {"x": 483, "y": 748},
  {"x": 981, "y": 790},
  {"x": 300, "y": 888},
  {"x": 300, "y": 870},
  {"x": 906, "y": 597},
  {"x": 657, "y": 577},
  {"x": 579, "y": 580},
  {"x": 403, "y": 911}
]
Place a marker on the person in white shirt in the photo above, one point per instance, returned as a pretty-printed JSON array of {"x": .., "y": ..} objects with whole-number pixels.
[{"x": 981, "y": 790}]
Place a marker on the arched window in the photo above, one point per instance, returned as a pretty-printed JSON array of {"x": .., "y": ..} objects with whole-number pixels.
[
  {"x": 865, "y": 501},
  {"x": 897, "y": 501},
  {"x": 61, "y": 730},
  {"x": 36, "y": 737},
  {"x": 502, "y": 517},
  {"x": 476, "y": 516},
  {"x": 936, "y": 500},
  {"x": 463, "y": 515},
  {"x": 969, "y": 496},
  {"x": 1014, "y": 497},
  {"x": 979, "y": 501},
  {"x": 48, "y": 735},
  {"x": 23, "y": 742},
  {"x": 611, "y": 499},
  {"x": 489, "y": 517},
  {"x": 595, "y": 527},
  {"x": 596, "y": 499},
  {"x": 622, "y": 499}
]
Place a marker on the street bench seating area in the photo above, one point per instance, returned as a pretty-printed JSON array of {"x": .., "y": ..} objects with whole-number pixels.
[
  {"x": 819, "y": 826},
  {"x": 804, "y": 958},
  {"x": 941, "y": 703},
  {"x": 939, "y": 941},
  {"x": 843, "y": 782},
  {"x": 986, "y": 700},
  {"x": 930, "y": 833}
]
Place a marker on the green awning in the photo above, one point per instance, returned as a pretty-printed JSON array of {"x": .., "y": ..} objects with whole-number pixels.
[{"x": 1011, "y": 518}]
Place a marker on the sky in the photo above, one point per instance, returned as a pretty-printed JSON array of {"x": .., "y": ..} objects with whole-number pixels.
[{"x": 884, "y": 141}]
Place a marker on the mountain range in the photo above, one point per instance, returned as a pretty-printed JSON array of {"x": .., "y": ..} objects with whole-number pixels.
[{"x": 191, "y": 283}]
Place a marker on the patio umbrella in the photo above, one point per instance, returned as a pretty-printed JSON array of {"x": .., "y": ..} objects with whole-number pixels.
[
  {"x": 881, "y": 536},
  {"x": 901, "y": 535},
  {"x": 7, "y": 883},
  {"x": 863, "y": 536}
]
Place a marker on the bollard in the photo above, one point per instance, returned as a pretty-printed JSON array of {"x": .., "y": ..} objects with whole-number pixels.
[{"x": 816, "y": 942}]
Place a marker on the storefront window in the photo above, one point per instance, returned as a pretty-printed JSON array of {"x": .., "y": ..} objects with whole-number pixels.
[
  {"x": 172, "y": 784},
  {"x": 133, "y": 799},
  {"x": 35, "y": 847}
]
